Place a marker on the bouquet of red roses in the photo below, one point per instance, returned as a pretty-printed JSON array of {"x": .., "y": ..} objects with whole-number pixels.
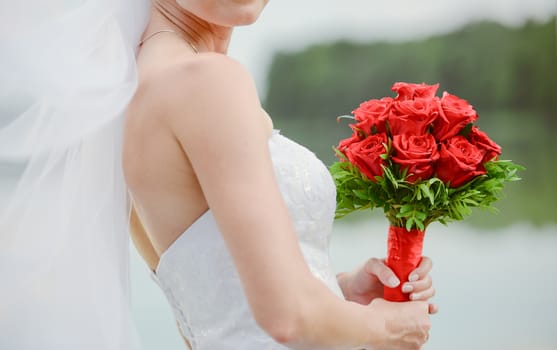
[{"x": 421, "y": 159}]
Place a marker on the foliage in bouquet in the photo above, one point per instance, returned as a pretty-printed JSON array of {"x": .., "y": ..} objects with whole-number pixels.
[{"x": 420, "y": 158}]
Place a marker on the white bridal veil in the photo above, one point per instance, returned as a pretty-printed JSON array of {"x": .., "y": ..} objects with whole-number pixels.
[{"x": 67, "y": 73}]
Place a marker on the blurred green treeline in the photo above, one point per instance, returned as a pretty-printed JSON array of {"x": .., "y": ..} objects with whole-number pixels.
[{"x": 508, "y": 74}]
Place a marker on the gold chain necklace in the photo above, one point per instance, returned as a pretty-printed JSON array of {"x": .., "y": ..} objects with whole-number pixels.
[{"x": 167, "y": 31}]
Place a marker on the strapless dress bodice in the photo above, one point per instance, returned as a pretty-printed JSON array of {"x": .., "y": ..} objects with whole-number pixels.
[{"x": 199, "y": 278}]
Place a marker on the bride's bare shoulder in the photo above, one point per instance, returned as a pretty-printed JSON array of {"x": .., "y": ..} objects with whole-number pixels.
[
  {"x": 197, "y": 91},
  {"x": 194, "y": 78}
]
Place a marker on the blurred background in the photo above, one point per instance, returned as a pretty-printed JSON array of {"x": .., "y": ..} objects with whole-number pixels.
[{"x": 314, "y": 60}]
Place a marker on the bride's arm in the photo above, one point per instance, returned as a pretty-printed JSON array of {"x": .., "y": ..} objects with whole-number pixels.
[{"x": 211, "y": 105}]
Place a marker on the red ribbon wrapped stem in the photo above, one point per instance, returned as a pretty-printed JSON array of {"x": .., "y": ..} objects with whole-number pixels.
[{"x": 404, "y": 255}]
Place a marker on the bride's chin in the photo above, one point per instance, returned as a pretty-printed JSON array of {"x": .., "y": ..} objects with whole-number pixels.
[
  {"x": 247, "y": 11},
  {"x": 229, "y": 13},
  {"x": 242, "y": 16},
  {"x": 248, "y": 18}
]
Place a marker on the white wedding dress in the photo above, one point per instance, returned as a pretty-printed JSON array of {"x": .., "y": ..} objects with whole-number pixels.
[{"x": 199, "y": 278}]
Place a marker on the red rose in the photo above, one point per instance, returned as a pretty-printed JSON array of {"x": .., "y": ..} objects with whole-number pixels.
[
  {"x": 344, "y": 144},
  {"x": 366, "y": 155},
  {"x": 459, "y": 161},
  {"x": 413, "y": 116},
  {"x": 417, "y": 154},
  {"x": 373, "y": 113},
  {"x": 480, "y": 139},
  {"x": 454, "y": 114},
  {"x": 408, "y": 91}
]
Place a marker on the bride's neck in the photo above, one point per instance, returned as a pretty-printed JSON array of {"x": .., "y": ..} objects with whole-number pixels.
[{"x": 205, "y": 36}]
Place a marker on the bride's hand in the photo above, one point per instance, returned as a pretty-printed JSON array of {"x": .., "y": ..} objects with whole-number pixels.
[
  {"x": 400, "y": 326},
  {"x": 366, "y": 282}
]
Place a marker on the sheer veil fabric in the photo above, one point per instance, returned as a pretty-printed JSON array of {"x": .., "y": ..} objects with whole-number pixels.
[{"x": 67, "y": 73}]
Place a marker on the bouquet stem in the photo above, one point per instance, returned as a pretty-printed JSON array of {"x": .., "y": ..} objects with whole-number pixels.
[{"x": 403, "y": 256}]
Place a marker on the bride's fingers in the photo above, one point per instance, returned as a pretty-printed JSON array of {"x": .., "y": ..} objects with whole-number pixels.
[
  {"x": 378, "y": 268},
  {"x": 424, "y": 295},
  {"x": 418, "y": 286},
  {"x": 422, "y": 270},
  {"x": 433, "y": 309},
  {"x": 420, "y": 290}
]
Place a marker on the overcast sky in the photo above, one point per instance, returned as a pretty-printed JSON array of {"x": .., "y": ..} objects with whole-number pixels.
[{"x": 293, "y": 24}]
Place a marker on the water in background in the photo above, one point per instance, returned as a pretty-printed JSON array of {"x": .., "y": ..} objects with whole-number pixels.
[{"x": 495, "y": 289}]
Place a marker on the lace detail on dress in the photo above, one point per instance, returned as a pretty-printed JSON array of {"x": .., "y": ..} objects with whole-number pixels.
[{"x": 199, "y": 278}]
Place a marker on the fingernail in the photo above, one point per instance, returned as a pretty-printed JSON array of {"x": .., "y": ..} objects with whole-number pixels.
[
  {"x": 393, "y": 282},
  {"x": 414, "y": 296},
  {"x": 407, "y": 288},
  {"x": 413, "y": 277}
]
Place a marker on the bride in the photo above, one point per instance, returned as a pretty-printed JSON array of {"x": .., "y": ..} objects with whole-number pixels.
[{"x": 232, "y": 217}]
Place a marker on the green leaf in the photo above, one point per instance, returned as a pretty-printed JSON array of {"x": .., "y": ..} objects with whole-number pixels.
[
  {"x": 416, "y": 205},
  {"x": 420, "y": 225},
  {"x": 420, "y": 216},
  {"x": 427, "y": 193},
  {"x": 362, "y": 194}
]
